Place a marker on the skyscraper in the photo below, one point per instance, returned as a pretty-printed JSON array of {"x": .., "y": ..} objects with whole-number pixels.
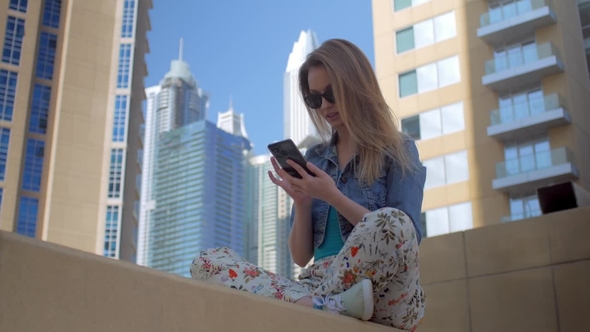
[
  {"x": 176, "y": 102},
  {"x": 497, "y": 95},
  {"x": 199, "y": 186},
  {"x": 298, "y": 125},
  {"x": 269, "y": 218},
  {"x": 232, "y": 122},
  {"x": 70, "y": 112},
  {"x": 147, "y": 201}
]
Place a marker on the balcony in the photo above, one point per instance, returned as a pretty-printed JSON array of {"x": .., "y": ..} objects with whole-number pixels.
[
  {"x": 508, "y": 23},
  {"x": 521, "y": 66},
  {"x": 528, "y": 119},
  {"x": 527, "y": 173}
]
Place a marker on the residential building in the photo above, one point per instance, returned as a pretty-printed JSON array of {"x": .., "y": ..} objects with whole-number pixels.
[
  {"x": 496, "y": 93},
  {"x": 71, "y": 89},
  {"x": 199, "y": 186},
  {"x": 175, "y": 102},
  {"x": 297, "y": 123}
]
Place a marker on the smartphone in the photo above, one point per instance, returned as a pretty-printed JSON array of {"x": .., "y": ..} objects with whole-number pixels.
[{"x": 285, "y": 150}]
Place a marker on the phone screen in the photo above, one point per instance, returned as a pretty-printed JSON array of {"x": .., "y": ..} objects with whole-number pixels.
[{"x": 285, "y": 150}]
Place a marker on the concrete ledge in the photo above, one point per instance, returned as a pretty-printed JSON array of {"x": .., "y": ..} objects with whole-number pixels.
[
  {"x": 529, "y": 275},
  {"x": 49, "y": 288}
]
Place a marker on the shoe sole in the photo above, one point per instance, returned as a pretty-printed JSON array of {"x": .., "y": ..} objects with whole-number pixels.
[{"x": 368, "y": 299}]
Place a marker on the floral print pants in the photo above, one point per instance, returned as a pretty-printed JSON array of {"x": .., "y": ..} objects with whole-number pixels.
[{"x": 382, "y": 247}]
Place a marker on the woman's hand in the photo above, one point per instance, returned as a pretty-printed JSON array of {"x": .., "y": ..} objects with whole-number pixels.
[
  {"x": 298, "y": 196},
  {"x": 321, "y": 186}
]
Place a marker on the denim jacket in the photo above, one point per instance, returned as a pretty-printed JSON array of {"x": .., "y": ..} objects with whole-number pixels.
[{"x": 389, "y": 190}]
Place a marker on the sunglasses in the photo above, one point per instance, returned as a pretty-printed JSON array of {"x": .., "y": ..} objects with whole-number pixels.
[{"x": 314, "y": 100}]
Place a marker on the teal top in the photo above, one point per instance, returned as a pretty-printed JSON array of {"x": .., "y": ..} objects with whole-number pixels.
[{"x": 332, "y": 239}]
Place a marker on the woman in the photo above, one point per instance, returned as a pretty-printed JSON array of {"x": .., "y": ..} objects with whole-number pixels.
[{"x": 359, "y": 217}]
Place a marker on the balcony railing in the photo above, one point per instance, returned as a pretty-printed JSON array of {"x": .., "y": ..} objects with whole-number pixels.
[
  {"x": 527, "y": 109},
  {"x": 533, "y": 162},
  {"x": 521, "y": 216},
  {"x": 524, "y": 56},
  {"x": 509, "y": 10}
]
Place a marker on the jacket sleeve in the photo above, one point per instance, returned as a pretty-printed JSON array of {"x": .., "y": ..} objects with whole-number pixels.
[{"x": 406, "y": 192}]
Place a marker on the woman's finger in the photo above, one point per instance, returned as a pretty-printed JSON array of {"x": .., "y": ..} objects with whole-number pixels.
[
  {"x": 298, "y": 168},
  {"x": 275, "y": 164},
  {"x": 276, "y": 181}
]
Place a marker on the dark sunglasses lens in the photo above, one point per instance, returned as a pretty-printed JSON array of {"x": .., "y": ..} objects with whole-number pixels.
[
  {"x": 313, "y": 101},
  {"x": 329, "y": 95}
]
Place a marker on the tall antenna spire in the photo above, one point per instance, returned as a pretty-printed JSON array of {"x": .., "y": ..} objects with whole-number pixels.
[
  {"x": 180, "y": 49},
  {"x": 231, "y": 102}
]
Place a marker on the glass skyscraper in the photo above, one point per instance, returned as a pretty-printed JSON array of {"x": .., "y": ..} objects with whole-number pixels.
[
  {"x": 268, "y": 223},
  {"x": 176, "y": 102},
  {"x": 199, "y": 186}
]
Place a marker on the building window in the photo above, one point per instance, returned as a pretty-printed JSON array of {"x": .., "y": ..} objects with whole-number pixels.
[
  {"x": 426, "y": 32},
  {"x": 51, "y": 12},
  {"x": 524, "y": 207},
  {"x": 522, "y": 157},
  {"x": 116, "y": 173},
  {"x": 521, "y": 105},
  {"x": 448, "y": 169},
  {"x": 7, "y": 93},
  {"x": 28, "y": 212},
  {"x": 435, "y": 123},
  {"x": 111, "y": 231},
  {"x": 4, "y": 140},
  {"x": 13, "y": 40},
  {"x": 120, "y": 119},
  {"x": 40, "y": 109},
  {"x": 430, "y": 77},
  {"x": 449, "y": 219},
  {"x": 504, "y": 10},
  {"x": 19, "y": 5},
  {"x": 1, "y": 191},
  {"x": 403, "y": 4},
  {"x": 128, "y": 18},
  {"x": 124, "y": 66},
  {"x": 517, "y": 55},
  {"x": 46, "y": 57},
  {"x": 33, "y": 165}
]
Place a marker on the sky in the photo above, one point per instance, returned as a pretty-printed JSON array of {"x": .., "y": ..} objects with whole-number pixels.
[{"x": 239, "y": 49}]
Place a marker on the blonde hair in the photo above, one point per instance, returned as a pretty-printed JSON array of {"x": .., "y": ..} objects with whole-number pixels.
[{"x": 370, "y": 122}]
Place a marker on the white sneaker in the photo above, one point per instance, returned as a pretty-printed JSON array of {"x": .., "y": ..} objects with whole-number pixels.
[{"x": 355, "y": 302}]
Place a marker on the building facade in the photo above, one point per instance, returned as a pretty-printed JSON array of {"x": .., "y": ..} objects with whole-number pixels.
[
  {"x": 199, "y": 187},
  {"x": 496, "y": 94},
  {"x": 297, "y": 123},
  {"x": 269, "y": 219},
  {"x": 176, "y": 102},
  {"x": 71, "y": 88}
]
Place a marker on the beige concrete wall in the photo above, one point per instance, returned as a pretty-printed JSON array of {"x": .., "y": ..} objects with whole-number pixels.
[
  {"x": 530, "y": 275},
  {"x": 50, "y": 288}
]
